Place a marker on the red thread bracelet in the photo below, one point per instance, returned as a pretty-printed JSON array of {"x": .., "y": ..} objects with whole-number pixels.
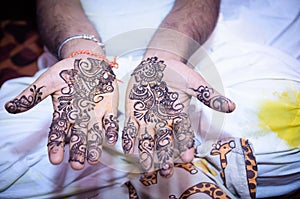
[{"x": 112, "y": 64}]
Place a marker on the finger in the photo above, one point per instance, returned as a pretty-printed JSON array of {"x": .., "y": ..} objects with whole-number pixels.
[
  {"x": 213, "y": 99},
  {"x": 111, "y": 127},
  {"x": 57, "y": 136},
  {"x": 60, "y": 125},
  {"x": 164, "y": 146},
  {"x": 110, "y": 121},
  {"x": 95, "y": 139},
  {"x": 188, "y": 155},
  {"x": 26, "y": 100},
  {"x": 129, "y": 135},
  {"x": 184, "y": 137},
  {"x": 31, "y": 96},
  {"x": 78, "y": 143},
  {"x": 209, "y": 96},
  {"x": 146, "y": 149}
]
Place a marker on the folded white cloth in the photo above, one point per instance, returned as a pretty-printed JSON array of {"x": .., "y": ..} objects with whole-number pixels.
[
  {"x": 264, "y": 84},
  {"x": 262, "y": 80}
]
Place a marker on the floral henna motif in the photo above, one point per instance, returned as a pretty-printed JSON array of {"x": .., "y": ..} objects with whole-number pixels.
[
  {"x": 165, "y": 151},
  {"x": 58, "y": 128},
  {"x": 219, "y": 103},
  {"x": 25, "y": 102},
  {"x": 94, "y": 144},
  {"x": 87, "y": 83},
  {"x": 78, "y": 149},
  {"x": 111, "y": 129},
  {"x": 128, "y": 137},
  {"x": 184, "y": 134},
  {"x": 155, "y": 103},
  {"x": 149, "y": 71},
  {"x": 153, "y": 100},
  {"x": 146, "y": 148}
]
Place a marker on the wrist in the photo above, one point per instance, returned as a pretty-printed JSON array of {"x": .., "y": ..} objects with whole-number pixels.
[
  {"x": 89, "y": 53},
  {"x": 171, "y": 44},
  {"x": 79, "y": 42},
  {"x": 163, "y": 55}
]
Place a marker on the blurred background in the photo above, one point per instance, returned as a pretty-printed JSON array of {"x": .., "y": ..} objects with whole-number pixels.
[{"x": 19, "y": 42}]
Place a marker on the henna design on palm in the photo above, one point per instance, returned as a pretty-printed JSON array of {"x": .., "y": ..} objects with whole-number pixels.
[
  {"x": 86, "y": 85},
  {"x": 156, "y": 105}
]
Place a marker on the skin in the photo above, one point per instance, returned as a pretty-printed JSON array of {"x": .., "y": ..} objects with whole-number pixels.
[
  {"x": 78, "y": 108},
  {"x": 65, "y": 18},
  {"x": 188, "y": 25},
  {"x": 88, "y": 114},
  {"x": 157, "y": 122}
]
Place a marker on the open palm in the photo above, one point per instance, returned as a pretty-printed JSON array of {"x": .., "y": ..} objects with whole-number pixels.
[
  {"x": 85, "y": 97},
  {"x": 157, "y": 120}
]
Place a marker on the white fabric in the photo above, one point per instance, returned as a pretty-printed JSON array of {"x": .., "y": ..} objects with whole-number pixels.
[
  {"x": 269, "y": 22},
  {"x": 252, "y": 56},
  {"x": 273, "y": 23},
  {"x": 253, "y": 75},
  {"x": 24, "y": 166},
  {"x": 255, "y": 49},
  {"x": 126, "y": 23}
]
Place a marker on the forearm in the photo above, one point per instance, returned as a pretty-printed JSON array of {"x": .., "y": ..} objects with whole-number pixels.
[
  {"x": 59, "y": 19},
  {"x": 185, "y": 28}
]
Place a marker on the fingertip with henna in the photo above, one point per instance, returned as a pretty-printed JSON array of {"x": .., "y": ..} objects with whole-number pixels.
[
  {"x": 56, "y": 154},
  {"x": 232, "y": 107},
  {"x": 167, "y": 170},
  {"x": 11, "y": 107},
  {"x": 76, "y": 165}
]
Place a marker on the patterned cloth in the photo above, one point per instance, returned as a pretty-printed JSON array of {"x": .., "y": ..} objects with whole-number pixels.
[
  {"x": 19, "y": 49},
  {"x": 226, "y": 164},
  {"x": 224, "y": 169}
]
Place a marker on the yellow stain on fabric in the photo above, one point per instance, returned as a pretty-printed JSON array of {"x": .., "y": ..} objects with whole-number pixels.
[
  {"x": 282, "y": 116},
  {"x": 204, "y": 166}
]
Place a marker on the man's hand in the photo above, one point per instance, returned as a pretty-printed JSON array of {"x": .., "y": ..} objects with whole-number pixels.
[
  {"x": 85, "y": 98},
  {"x": 158, "y": 98}
]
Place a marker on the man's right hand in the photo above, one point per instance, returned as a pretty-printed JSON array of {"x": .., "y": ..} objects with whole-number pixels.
[{"x": 84, "y": 93}]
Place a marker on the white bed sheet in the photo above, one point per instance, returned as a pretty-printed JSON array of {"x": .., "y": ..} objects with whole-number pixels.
[{"x": 255, "y": 50}]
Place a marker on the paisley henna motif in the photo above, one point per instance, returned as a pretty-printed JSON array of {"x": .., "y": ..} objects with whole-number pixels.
[
  {"x": 25, "y": 103},
  {"x": 154, "y": 104},
  {"x": 86, "y": 83},
  {"x": 111, "y": 129},
  {"x": 128, "y": 137},
  {"x": 94, "y": 144},
  {"x": 165, "y": 151},
  {"x": 146, "y": 148},
  {"x": 207, "y": 96}
]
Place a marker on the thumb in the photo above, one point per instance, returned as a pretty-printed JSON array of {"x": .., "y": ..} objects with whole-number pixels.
[
  {"x": 209, "y": 96},
  {"x": 28, "y": 98}
]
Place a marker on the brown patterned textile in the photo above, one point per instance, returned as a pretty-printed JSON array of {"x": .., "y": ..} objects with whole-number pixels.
[{"x": 19, "y": 49}]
